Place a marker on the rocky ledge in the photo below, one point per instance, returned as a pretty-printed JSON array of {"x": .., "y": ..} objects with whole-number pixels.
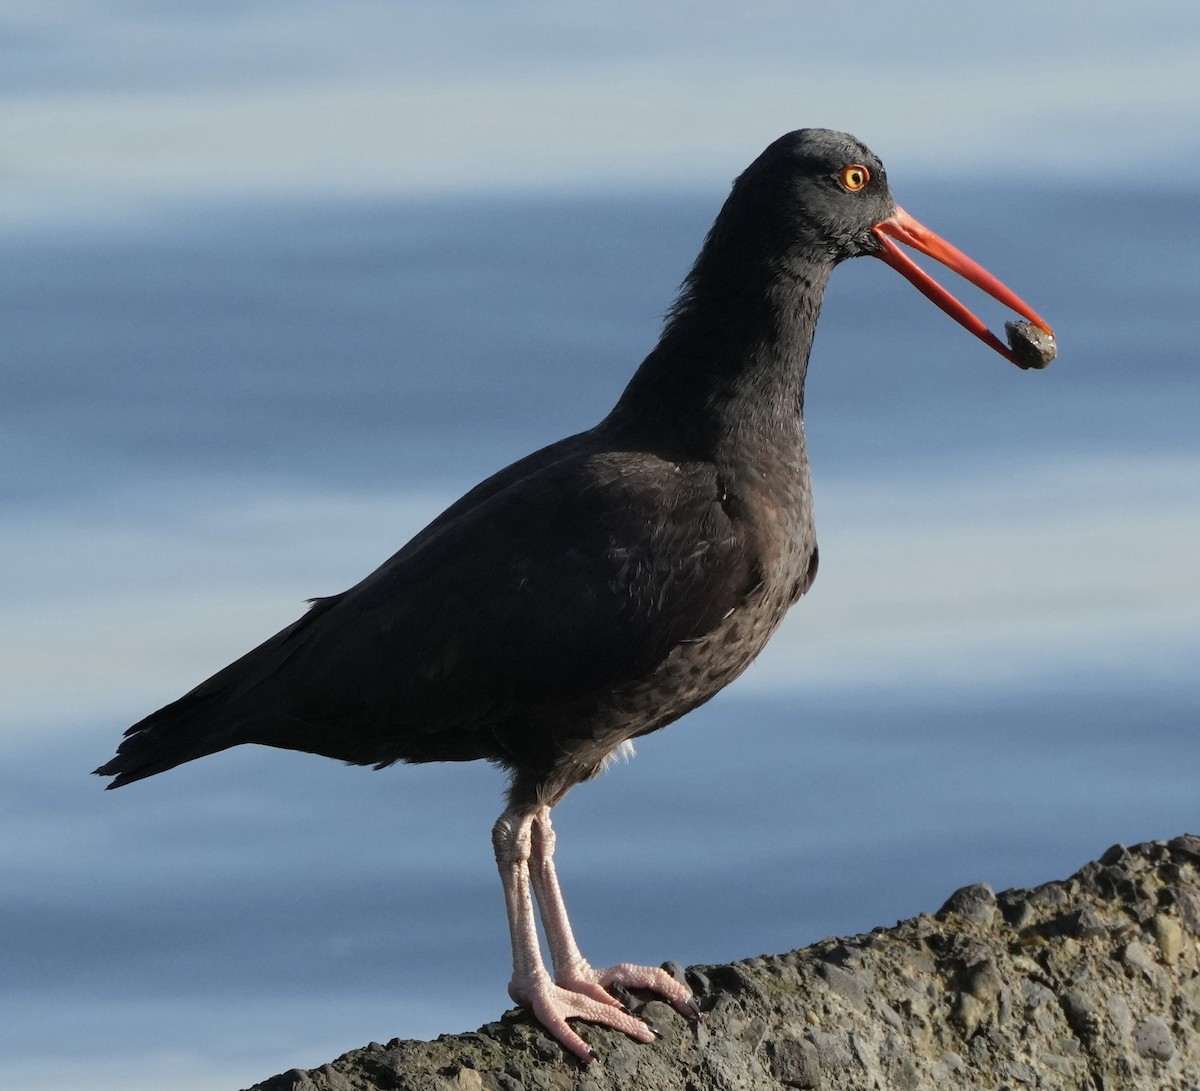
[{"x": 1092, "y": 982}]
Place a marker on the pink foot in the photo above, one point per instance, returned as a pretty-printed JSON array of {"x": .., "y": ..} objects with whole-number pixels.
[
  {"x": 630, "y": 976},
  {"x": 524, "y": 844},
  {"x": 552, "y": 1005}
]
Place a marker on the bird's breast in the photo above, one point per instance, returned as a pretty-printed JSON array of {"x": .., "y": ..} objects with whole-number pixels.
[{"x": 777, "y": 526}]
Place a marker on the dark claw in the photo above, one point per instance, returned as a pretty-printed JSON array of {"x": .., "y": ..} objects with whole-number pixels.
[
  {"x": 622, "y": 994},
  {"x": 676, "y": 971}
]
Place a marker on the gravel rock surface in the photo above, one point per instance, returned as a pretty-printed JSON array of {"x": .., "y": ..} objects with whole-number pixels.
[{"x": 1088, "y": 983}]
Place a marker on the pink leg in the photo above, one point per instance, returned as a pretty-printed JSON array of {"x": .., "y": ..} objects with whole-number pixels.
[
  {"x": 578, "y": 993},
  {"x": 571, "y": 969}
]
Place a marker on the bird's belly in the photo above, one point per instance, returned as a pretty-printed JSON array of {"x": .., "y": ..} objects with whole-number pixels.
[
  {"x": 690, "y": 674},
  {"x": 549, "y": 753}
]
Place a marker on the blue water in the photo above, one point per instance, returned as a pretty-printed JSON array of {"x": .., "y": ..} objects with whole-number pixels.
[{"x": 221, "y": 409}]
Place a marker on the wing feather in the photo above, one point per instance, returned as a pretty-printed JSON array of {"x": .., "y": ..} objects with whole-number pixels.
[{"x": 535, "y": 590}]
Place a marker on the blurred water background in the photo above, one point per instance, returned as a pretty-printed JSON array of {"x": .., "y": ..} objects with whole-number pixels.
[{"x": 262, "y": 320}]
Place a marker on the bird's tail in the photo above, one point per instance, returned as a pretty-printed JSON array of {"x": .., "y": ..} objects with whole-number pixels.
[
  {"x": 177, "y": 733},
  {"x": 242, "y": 703}
]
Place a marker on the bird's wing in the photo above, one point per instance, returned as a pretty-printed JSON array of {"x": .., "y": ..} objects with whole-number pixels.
[
  {"x": 580, "y": 575},
  {"x": 564, "y": 583}
]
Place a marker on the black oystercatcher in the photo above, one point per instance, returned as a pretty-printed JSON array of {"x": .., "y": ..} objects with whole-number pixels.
[{"x": 604, "y": 586}]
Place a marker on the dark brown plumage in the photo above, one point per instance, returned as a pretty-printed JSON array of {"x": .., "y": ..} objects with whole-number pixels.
[{"x": 597, "y": 589}]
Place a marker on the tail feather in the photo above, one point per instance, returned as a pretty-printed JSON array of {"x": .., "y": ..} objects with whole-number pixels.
[
  {"x": 177, "y": 733},
  {"x": 229, "y": 708}
]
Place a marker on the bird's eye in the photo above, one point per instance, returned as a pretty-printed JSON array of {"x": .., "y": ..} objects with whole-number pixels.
[{"x": 854, "y": 177}]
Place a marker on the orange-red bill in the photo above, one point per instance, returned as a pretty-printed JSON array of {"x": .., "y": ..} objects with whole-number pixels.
[{"x": 900, "y": 225}]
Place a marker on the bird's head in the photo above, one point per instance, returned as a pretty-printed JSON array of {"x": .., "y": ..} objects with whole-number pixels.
[{"x": 820, "y": 193}]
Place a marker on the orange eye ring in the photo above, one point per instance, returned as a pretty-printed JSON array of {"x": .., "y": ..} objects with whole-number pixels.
[{"x": 854, "y": 177}]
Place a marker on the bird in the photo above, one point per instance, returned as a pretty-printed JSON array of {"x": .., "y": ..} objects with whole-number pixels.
[{"x": 603, "y": 586}]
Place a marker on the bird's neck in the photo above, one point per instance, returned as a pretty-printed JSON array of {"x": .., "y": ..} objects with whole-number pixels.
[{"x": 726, "y": 380}]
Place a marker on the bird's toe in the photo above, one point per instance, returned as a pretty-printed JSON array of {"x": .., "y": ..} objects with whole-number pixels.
[
  {"x": 659, "y": 981},
  {"x": 552, "y": 1005}
]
